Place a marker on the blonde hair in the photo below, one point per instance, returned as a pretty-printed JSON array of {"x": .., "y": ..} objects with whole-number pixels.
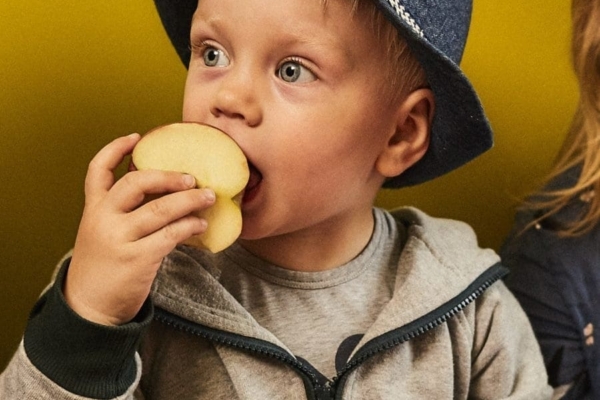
[
  {"x": 581, "y": 147},
  {"x": 405, "y": 73}
]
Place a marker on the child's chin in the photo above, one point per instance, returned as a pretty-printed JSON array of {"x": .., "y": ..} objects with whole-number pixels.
[{"x": 251, "y": 231}]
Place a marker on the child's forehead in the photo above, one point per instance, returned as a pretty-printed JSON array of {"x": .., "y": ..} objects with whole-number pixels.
[
  {"x": 318, "y": 22},
  {"x": 290, "y": 12}
]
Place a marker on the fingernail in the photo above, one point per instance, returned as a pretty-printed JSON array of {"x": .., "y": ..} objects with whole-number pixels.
[
  {"x": 209, "y": 194},
  {"x": 189, "y": 180}
]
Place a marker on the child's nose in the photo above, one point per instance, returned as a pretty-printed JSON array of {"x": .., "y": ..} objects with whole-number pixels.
[{"x": 238, "y": 97}]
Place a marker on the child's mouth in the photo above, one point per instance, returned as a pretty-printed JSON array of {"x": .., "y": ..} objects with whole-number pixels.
[{"x": 253, "y": 184}]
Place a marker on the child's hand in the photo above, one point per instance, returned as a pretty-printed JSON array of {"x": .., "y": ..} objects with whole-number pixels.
[{"x": 121, "y": 241}]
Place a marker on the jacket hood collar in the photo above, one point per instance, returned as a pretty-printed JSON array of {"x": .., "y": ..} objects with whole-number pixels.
[{"x": 440, "y": 260}]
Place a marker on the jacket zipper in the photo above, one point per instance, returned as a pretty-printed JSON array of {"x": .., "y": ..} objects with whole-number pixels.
[
  {"x": 333, "y": 389},
  {"x": 420, "y": 326},
  {"x": 251, "y": 345}
]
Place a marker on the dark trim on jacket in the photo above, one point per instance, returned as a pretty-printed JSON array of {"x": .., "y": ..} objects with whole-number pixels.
[{"x": 85, "y": 358}]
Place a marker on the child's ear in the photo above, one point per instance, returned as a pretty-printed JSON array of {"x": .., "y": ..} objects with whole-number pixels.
[{"x": 409, "y": 142}]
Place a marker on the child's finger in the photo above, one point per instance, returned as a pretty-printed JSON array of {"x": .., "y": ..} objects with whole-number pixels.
[
  {"x": 129, "y": 192},
  {"x": 100, "y": 174},
  {"x": 161, "y": 212},
  {"x": 166, "y": 238}
]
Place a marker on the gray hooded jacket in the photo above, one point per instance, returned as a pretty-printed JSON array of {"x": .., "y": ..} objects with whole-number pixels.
[{"x": 450, "y": 331}]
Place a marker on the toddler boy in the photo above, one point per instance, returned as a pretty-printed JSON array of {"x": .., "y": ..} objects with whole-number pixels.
[{"x": 323, "y": 296}]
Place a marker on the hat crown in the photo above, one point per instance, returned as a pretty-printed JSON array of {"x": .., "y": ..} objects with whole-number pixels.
[{"x": 443, "y": 23}]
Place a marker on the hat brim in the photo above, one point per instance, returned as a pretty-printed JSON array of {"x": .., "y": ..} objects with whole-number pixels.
[{"x": 460, "y": 130}]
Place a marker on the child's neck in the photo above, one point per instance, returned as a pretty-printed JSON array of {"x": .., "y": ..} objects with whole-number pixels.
[{"x": 321, "y": 248}]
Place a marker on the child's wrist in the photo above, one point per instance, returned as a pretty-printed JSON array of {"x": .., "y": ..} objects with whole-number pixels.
[{"x": 59, "y": 342}]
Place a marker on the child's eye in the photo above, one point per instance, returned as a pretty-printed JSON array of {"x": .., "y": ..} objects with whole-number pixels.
[
  {"x": 294, "y": 72},
  {"x": 214, "y": 57}
]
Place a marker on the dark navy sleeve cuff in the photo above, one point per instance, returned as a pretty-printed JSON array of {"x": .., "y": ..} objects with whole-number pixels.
[{"x": 85, "y": 358}]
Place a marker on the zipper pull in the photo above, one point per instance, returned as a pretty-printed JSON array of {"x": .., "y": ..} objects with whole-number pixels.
[{"x": 324, "y": 392}]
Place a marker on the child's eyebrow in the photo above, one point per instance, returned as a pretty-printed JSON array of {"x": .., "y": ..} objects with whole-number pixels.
[{"x": 210, "y": 20}]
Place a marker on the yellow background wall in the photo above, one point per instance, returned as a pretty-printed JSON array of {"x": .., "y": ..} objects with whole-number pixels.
[{"x": 75, "y": 75}]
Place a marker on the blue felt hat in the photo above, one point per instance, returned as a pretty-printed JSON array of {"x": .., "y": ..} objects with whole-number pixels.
[{"x": 436, "y": 31}]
